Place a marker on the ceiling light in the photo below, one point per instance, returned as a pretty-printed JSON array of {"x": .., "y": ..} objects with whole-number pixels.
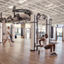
[
  {"x": 50, "y": 5},
  {"x": 10, "y": 7},
  {"x": 21, "y": 1}
]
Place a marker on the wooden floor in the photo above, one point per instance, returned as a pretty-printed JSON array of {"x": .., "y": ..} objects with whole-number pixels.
[{"x": 20, "y": 54}]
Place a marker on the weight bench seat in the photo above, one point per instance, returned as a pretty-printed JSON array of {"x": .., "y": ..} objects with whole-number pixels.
[{"x": 38, "y": 45}]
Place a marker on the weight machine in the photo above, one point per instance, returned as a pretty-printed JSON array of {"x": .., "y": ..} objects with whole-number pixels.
[{"x": 36, "y": 23}]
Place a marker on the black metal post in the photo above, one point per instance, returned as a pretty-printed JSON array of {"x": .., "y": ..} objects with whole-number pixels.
[
  {"x": 46, "y": 26},
  {"x": 1, "y": 14}
]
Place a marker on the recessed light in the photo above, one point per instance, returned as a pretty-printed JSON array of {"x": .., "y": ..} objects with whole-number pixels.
[
  {"x": 50, "y": 5},
  {"x": 10, "y": 7},
  {"x": 21, "y": 1}
]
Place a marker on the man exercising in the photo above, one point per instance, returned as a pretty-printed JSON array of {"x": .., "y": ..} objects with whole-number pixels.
[{"x": 47, "y": 46}]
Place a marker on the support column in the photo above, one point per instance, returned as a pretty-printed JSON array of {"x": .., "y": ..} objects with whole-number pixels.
[
  {"x": 63, "y": 33},
  {"x": 33, "y": 34},
  {"x": 48, "y": 29},
  {"x": 4, "y": 33},
  {"x": 0, "y": 27},
  {"x": 50, "y": 26},
  {"x": 22, "y": 30},
  {"x": 12, "y": 32},
  {"x": 52, "y": 31},
  {"x": 0, "y": 32},
  {"x": 55, "y": 33}
]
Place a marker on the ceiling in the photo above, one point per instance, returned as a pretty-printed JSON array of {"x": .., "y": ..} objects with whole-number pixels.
[{"x": 52, "y": 8}]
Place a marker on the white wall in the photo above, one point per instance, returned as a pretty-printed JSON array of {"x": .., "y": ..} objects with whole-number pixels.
[{"x": 0, "y": 32}]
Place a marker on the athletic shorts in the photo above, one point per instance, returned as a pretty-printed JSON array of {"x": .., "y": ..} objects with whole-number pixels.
[
  {"x": 8, "y": 37},
  {"x": 47, "y": 47}
]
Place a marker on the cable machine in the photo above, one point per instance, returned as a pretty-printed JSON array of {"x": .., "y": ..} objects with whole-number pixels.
[{"x": 35, "y": 22}]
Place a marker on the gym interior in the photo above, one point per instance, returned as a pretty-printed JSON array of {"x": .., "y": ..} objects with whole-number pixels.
[{"x": 29, "y": 21}]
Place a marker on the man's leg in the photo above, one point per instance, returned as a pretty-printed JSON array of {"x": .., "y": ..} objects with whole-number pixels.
[
  {"x": 50, "y": 48},
  {"x": 4, "y": 41},
  {"x": 53, "y": 52},
  {"x": 10, "y": 42},
  {"x": 40, "y": 42},
  {"x": 54, "y": 47}
]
